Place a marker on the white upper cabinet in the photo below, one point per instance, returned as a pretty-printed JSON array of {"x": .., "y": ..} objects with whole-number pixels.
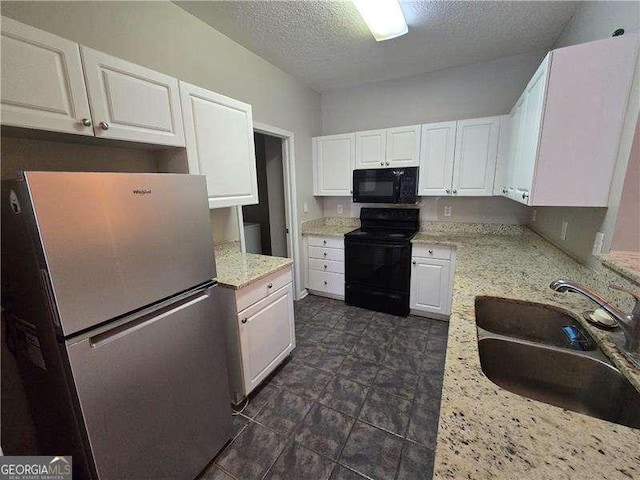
[
  {"x": 333, "y": 162},
  {"x": 403, "y": 146},
  {"x": 130, "y": 102},
  {"x": 219, "y": 138},
  {"x": 436, "y": 158},
  {"x": 42, "y": 82},
  {"x": 569, "y": 122},
  {"x": 526, "y": 122},
  {"x": 371, "y": 149},
  {"x": 459, "y": 158},
  {"x": 476, "y": 152}
]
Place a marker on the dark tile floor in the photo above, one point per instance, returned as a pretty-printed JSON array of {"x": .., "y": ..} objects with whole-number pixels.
[{"x": 359, "y": 398}]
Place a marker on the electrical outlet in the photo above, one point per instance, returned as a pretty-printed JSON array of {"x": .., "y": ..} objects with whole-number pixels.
[
  {"x": 305, "y": 207},
  {"x": 597, "y": 243},
  {"x": 339, "y": 208},
  {"x": 563, "y": 232},
  {"x": 447, "y": 210},
  {"x": 534, "y": 215}
]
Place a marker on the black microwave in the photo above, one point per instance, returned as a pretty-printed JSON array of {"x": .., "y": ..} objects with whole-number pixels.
[{"x": 386, "y": 185}]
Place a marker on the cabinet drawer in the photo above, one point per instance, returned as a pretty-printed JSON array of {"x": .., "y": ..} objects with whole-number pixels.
[
  {"x": 326, "y": 282},
  {"x": 328, "y": 242},
  {"x": 247, "y": 296},
  {"x": 326, "y": 265},
  {"x": 326, "y": 253},
  {"x": 431, "y": 251}
]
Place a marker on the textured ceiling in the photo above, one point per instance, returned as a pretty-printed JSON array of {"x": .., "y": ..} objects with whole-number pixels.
[{"x": 327, "y": 45}]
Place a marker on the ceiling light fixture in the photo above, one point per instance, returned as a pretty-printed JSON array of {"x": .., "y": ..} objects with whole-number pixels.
[{"x": 383, "y": 17}]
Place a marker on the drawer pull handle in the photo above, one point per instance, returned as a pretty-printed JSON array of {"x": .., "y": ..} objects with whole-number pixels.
[
  {"x": 270, "y": 285},
  {"x": 325, "y": 266},
  {"x": 325, "y": 282},
  {"x": 414, "y": 262},
  {"x": 324, "y": 242},
  {"x": 325, "y": 254},
  {"x": 244, "y": 320},
  {"x": 430, "y": 252}
]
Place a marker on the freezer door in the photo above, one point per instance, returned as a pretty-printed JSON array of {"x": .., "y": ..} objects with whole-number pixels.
[
  {"x": 114, "y": 242},
  {"x": 154, "y": 392}
]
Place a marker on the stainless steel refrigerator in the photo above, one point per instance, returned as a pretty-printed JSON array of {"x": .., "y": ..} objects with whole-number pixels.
[{"x": 111, "y": 315}]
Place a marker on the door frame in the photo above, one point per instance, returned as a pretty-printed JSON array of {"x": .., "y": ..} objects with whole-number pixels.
[{"x": 290, "y": 199}]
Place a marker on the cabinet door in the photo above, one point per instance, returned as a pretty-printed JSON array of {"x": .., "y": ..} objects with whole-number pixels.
[
  {"x": 436, "y": 158},
  {"x": 371, "y": 147},
  {"x": 476, "y": 153},
  {"x": 515, "y": 143},
  {"x": 333, "y": 160},
  {"x": 42, "y": 82},
  {"x": 219, "y": 137},
  {"x": 531, "y": 123},
  {"x": 267, "y": 335},
  {"x": 403, "y": 146},
  {"x": 430, "y": 285},
  {"x": 130, "y": 102}
]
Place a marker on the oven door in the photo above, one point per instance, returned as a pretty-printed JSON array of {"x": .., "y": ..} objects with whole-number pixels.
[
  {"x": 375, "y": 186},
  {"x": 378, "y": 264}
]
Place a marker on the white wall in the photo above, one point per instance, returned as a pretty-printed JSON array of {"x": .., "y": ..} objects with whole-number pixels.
[
  {"x": 594, "y": 21},
  {"x": 478, "y": 90},
  {"x": 471, "y": 209},
  {"x": 162, "y": 36}
]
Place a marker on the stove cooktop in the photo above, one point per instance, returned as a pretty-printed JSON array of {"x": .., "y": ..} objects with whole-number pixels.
[{"x": 388, "y": 235}]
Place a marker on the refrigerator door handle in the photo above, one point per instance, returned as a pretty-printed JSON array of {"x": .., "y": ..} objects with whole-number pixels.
[{"x": 146, "y": 320}]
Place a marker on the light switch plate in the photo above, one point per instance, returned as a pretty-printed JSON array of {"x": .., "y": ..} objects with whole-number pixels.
[
  {"x": 534, "y": 215},
  {"x": 447, "y": 210},
  {"x": 340, "y": 208},
  {"x": 305, "y": 207}
]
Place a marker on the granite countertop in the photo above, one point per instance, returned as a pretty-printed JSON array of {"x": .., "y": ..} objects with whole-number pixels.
[
  {"x": 626, "y": 264},
  {"x": 488, "y": 432},
  {"x": 236, "y": 269},
  {"x": 328, "y": 230},
  {"x": 330, "y": 226}
]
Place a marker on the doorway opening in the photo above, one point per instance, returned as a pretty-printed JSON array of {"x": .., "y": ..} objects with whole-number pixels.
[
  {"x": 280, "y": 148},
  {"x": 265, "y": 224}
]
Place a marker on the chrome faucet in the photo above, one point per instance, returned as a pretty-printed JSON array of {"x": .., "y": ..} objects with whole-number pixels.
[{"x": 629, "y": 323}]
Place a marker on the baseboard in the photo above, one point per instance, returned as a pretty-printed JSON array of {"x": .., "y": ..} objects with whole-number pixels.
[{"x": 324, "y": 294}]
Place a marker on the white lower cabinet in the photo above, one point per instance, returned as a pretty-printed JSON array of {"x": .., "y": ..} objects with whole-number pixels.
[
  {"x": 326, "y": 266},
  {"x": 432, "y": 269},
  {"x": 259, "y": 336}
]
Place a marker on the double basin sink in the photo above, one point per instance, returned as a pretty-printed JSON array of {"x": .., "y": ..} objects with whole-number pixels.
[{"x": 526, "y": 348}]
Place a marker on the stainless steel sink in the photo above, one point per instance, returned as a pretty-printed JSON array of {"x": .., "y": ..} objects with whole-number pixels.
[
  {"x": 535, "y": 322},
  {"x": 523, "y": 353}
]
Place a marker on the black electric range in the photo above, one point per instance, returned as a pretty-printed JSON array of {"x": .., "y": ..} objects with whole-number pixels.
[{"x": 378, "y": 259}]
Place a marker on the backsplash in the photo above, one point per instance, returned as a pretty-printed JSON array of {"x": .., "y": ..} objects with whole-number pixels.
[{"x": 432, "y": 209}]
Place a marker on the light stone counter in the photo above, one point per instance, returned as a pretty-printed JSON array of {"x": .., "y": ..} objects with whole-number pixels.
[
  {"x": 487, "y": 432},
  {"x": 236, "y": 269},
  {"x": 626, "y": 264},
  {"x": 330, "y": 226}
]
